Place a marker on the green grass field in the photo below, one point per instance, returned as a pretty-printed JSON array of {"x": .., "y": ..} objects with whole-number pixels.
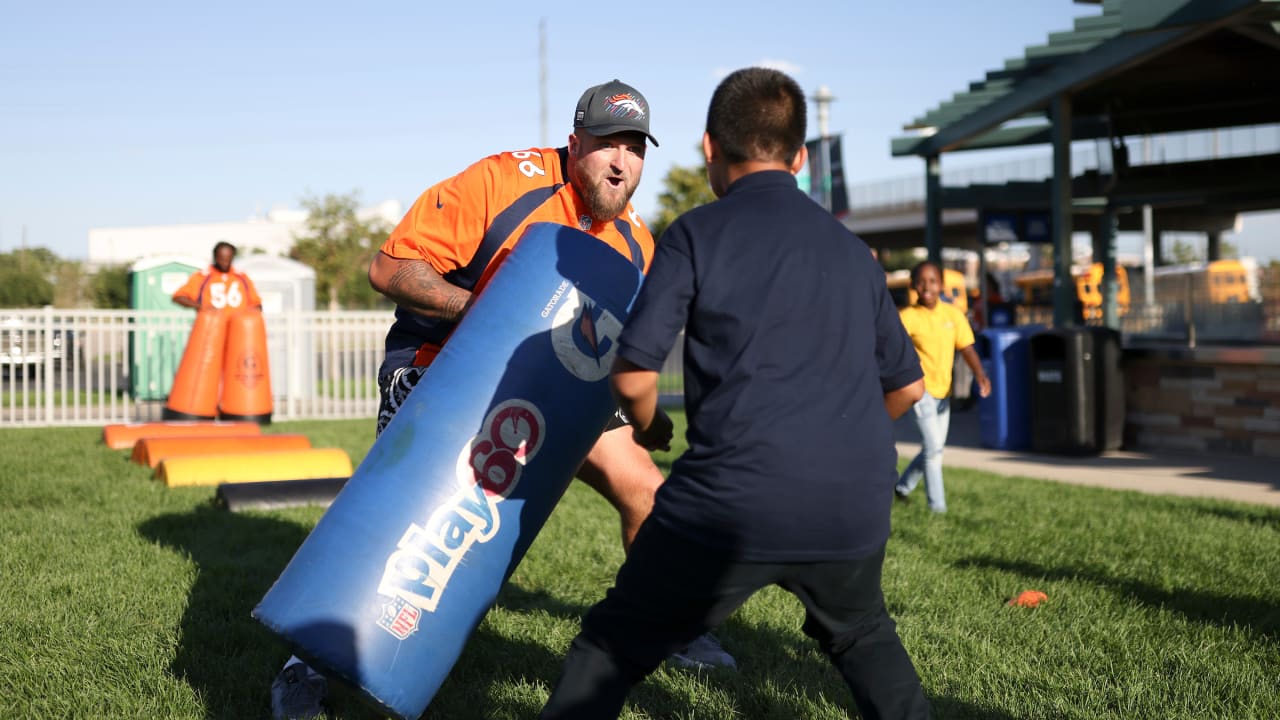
[{"x": 120, "y": 598}]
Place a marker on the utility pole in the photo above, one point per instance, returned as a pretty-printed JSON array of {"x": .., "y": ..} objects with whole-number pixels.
[
  {"x": 542, "y": 79},
  {"x": 823, "y": 98}
]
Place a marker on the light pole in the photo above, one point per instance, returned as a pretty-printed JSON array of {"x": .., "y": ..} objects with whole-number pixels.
[{"x": 822, "y": 98}]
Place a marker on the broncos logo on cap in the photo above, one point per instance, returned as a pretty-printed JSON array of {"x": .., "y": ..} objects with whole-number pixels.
[{"x": 624, "y": 105}]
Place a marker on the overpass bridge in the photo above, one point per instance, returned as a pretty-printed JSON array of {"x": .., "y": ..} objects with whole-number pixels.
[{"x": 1200, "y": 183}]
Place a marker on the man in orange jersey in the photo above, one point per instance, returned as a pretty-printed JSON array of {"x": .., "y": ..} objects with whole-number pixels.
[
  {"x": 448, "y": 246},
  {"x": 219, "y": 286}
]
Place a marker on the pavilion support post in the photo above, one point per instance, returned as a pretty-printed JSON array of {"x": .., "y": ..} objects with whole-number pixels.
[
  {"x": 1106, "y": 248},
  {"x": 1148, "y": 258},
  {"x": 1214, "y": 249},
  {"x": 933, "y": 208},
  {"x": 1064, "y": 289}
]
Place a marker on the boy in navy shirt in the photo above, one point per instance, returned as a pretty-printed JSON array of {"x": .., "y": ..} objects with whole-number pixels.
[{"x": 795, "y": 366}]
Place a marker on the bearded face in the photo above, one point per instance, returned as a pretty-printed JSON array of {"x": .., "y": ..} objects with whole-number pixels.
[{"x": 606, "y": 170}]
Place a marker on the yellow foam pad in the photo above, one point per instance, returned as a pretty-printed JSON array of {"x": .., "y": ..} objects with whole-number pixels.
[{"x": 254, "y": 467}]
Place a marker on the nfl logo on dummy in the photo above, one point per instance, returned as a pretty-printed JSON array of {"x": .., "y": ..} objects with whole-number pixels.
[{"x": 399, "y": 618}]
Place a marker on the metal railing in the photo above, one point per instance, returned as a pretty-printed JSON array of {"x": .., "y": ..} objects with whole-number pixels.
[
  {"x": 1190, "y": 308},
  {"x": 1186, "y": 309},
  {"x": 94, "y": 367},
  {"x": 97, "y": 367}
]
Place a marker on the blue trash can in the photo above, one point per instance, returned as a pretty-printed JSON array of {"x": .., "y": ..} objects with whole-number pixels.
[
  {"x": 1005, "y": 414},
  {"x": 1002, "y": 315}
]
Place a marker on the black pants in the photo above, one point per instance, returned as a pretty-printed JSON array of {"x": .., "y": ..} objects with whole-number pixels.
[{"x": 670, "y": 590}]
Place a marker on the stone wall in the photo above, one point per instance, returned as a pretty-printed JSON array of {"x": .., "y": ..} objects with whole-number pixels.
[{"x": 1220, "y": 400}]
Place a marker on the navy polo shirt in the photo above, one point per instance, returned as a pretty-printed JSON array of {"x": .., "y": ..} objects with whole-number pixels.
[{"x": 791, "y": 342}]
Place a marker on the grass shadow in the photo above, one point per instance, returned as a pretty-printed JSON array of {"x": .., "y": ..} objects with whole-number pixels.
[
  {"x": 493, "y": 658},
  {"x": 806, "y": 673},
  {"x": 226, "y": 656},
  {"x": 1227, "y": 611},
  {"x": 790, "y": 661},
  {"x": 1263, "y": 517}
]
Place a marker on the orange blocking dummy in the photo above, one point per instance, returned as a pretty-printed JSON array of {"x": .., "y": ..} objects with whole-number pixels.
[
  {"x": 224, "y": 367},
  {"x": 195, "y": 388},
  {"x": 246, "y": 382}
]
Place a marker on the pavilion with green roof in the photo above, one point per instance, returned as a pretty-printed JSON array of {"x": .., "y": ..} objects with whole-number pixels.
[{"x": 1140, "y": 68}]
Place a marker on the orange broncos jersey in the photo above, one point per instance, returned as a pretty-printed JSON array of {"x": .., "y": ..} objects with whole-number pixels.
[
  {"x": 465, "y": 226},
  {"x": 220, "y": 290}
]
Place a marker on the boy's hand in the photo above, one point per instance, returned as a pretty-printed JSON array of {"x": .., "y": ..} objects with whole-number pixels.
[
  {"x": 657, "y": 436},
  {"x": 984, "y": 386}
]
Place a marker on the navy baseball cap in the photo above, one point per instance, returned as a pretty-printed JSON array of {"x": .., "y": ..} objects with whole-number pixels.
[{"x": 613, "y": 107}]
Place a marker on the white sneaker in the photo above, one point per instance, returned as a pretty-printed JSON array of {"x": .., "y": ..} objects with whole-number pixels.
[{"x": 704, "y": 653}]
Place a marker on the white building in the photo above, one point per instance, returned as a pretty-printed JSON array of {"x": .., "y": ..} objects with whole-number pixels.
[{"x": 270, "y": 235}]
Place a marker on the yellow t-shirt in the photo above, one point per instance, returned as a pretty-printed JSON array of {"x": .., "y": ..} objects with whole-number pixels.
[{"x": 937, "y": 335}]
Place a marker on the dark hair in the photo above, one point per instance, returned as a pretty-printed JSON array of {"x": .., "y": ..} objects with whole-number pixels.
[
  {"x": 915, "y": 271},
  {"x": 223, "y": 244},
  {"x": 757, "y": 114}
]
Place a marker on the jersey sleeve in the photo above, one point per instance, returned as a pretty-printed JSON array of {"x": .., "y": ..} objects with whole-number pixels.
[
  {"x": 447, "y": 222},
  {"x": 191, "y": 289},
  {"x": 252, "y": 299},
  {"x": 662, "y": 307}
]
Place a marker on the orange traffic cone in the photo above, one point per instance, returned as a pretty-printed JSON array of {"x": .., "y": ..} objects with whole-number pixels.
[
  {"x": 246, "y": 380},
  {"x": 195, "y": 387}
]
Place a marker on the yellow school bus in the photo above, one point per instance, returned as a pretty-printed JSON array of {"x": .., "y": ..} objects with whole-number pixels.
[
  {"x": 1221, "y": 282},
  {"x": 1036, "y": 289}
]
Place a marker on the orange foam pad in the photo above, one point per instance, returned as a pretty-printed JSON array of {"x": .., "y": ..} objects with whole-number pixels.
[
  {"x": 254, "y": 467},
  {"x": 150, "y": 451},
  {"x": 123, "y": 436}
]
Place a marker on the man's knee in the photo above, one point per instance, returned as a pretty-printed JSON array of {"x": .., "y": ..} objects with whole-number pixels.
[{"x": 621, "y": 471}]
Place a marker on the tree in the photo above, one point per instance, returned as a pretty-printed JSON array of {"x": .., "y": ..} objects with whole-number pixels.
[
  {"x": 24, "y": 278},
  {"x": 109, "y": 287},
  {"x": 686, "y": 189},
  {"x": 70, "y": 284},
  {"x": 339, "y": 246},
  {"x": 39, "y": 259},
  {"x": 1183, "y": 253}
]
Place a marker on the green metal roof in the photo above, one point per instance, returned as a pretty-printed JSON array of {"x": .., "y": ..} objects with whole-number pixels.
[{"x": 1139, "y": 66}]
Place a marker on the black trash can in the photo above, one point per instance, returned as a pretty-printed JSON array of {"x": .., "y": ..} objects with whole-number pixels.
[
  {"x": 1063, "y": 410},
  {"x": 1077, "y": 391}
]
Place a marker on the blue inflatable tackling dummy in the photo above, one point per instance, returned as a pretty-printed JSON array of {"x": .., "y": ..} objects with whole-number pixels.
[{"x": 413, "y": 551}]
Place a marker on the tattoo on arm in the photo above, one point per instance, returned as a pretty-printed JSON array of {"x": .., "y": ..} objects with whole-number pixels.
[{"x": 417, "y": 286}]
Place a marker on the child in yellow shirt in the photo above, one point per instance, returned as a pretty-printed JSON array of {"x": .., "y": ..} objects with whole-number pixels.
[{"x": 938, "y": 330}]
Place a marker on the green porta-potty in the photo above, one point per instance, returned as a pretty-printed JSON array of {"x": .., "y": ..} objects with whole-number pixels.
[{"x": 161, "y": 328}]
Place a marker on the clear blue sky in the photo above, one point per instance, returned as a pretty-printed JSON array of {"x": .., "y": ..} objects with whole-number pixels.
[{"x": 148, "y": 113}]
